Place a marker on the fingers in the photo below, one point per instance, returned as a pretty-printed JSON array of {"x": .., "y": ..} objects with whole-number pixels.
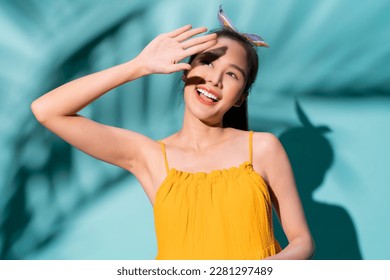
[
  {"x": 200, "y": 47},
  {"x": 179, "y": 67},
  {"x": 190, "y": 33},
  {"x": 179, "y": 31},
  {"x": 182, "y": 44},
  {"x": 185, "y": 32},
  {"x": 198, "y": 40}
]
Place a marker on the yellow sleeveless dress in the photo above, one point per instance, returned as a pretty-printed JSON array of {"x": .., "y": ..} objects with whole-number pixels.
[{"x": 223, "y": 214}]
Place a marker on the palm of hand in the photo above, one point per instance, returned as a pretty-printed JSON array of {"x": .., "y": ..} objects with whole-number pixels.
[{"x": 163, "y": 54}]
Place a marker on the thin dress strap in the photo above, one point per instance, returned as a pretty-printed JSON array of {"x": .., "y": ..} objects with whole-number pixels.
[
  {"x": 165, "y": 156},
  {"x": 250, "y": 147}
]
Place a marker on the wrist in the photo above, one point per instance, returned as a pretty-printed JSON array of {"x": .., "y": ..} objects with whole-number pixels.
[{"x": 138, "y": 67}]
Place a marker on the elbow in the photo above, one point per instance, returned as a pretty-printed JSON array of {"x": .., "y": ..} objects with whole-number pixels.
[
  {"x": 305, "y": 248},
  {"x": 37, "y": 111},
  {"x": 309, "y": 248}
]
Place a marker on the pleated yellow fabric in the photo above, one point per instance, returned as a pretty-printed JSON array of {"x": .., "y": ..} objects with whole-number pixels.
[{"x": 223, "y": 214}]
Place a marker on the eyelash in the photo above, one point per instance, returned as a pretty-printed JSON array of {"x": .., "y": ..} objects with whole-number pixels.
[
  {"x": 206, "y": 62},
  {"x": 231, "y": 74}
]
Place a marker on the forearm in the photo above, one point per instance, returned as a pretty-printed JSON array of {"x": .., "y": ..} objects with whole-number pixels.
[
  {"x": 71, "y": 97},
  {"x": 162, "y": 55}
]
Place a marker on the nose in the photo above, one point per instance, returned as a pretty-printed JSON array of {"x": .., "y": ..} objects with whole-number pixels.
[{"x": 215, "y": 78}]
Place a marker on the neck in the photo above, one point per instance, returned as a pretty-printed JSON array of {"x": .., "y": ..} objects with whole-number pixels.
[{"x": 198, "y": 134}]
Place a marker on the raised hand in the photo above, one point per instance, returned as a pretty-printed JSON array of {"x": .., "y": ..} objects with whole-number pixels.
[{"x": 164, "y": 53}]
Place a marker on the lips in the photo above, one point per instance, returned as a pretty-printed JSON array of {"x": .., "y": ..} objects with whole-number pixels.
[{"x": 207, "y": 96}]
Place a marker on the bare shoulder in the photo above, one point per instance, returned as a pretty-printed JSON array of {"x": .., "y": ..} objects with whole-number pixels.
[
  {"x": 266, "y": 143},
  {"x": 266, "y": 149}
]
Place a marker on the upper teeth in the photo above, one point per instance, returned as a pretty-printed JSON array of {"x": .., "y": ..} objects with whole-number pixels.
[{"x": 207, "y": 94}]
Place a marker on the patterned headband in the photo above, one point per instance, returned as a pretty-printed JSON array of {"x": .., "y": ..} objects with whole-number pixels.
[{"x": 253, "y": 38}]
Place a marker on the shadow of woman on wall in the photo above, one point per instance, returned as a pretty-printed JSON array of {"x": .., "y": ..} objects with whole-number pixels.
[{"x": 311, "y": 155}]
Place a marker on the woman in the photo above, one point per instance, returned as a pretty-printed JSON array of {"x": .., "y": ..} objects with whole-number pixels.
[{"x": 211, "y": 185}]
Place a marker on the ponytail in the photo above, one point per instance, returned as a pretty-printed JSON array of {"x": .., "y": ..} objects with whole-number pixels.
[{"x": 237, "y": 117}]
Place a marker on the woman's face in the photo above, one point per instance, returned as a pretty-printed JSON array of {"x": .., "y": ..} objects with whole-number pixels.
[{"x": 216, "y": 81}]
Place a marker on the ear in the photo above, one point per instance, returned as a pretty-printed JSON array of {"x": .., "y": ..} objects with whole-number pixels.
[{"x": 240, "y": 100}]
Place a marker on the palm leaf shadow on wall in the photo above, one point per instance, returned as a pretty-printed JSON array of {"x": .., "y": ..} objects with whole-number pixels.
[
  {"x": 311, "y": 155},
  {"x": 17, "y": 237}
]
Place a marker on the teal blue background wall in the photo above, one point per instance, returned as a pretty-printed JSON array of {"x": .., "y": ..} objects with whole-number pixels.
[{"x": 323, "y": 88}]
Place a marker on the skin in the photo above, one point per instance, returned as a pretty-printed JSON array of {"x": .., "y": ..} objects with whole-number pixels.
[{"x": 201, "y": 143}]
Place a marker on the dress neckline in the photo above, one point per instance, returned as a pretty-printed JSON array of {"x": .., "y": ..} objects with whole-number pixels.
[
  {"x": 203, "y": 173},
  {"x": 212, "y": 173},
  {"x": 246, "y": 165}
]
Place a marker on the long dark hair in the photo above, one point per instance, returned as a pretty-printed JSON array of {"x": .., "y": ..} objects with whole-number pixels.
[{"x": 237, "y": 117}]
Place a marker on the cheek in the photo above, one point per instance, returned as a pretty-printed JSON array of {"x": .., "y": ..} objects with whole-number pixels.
[
  {"x": 192, "y": 81},
  {"x": 235, "y": 89},
  {"x": 194, "y": 76}
]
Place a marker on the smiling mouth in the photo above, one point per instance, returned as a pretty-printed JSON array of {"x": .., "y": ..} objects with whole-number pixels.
[{"x": 205, "y": 94}]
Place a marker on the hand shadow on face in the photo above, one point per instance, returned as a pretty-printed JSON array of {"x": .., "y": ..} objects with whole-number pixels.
[
  {"x": 204, "y": 57},
  {"x": 211, "y": 55}
]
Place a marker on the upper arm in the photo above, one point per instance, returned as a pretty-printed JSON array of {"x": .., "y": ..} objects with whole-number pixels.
[
  {"x": 110, "y": 144},
  {"x": 284, "y": 193}
]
